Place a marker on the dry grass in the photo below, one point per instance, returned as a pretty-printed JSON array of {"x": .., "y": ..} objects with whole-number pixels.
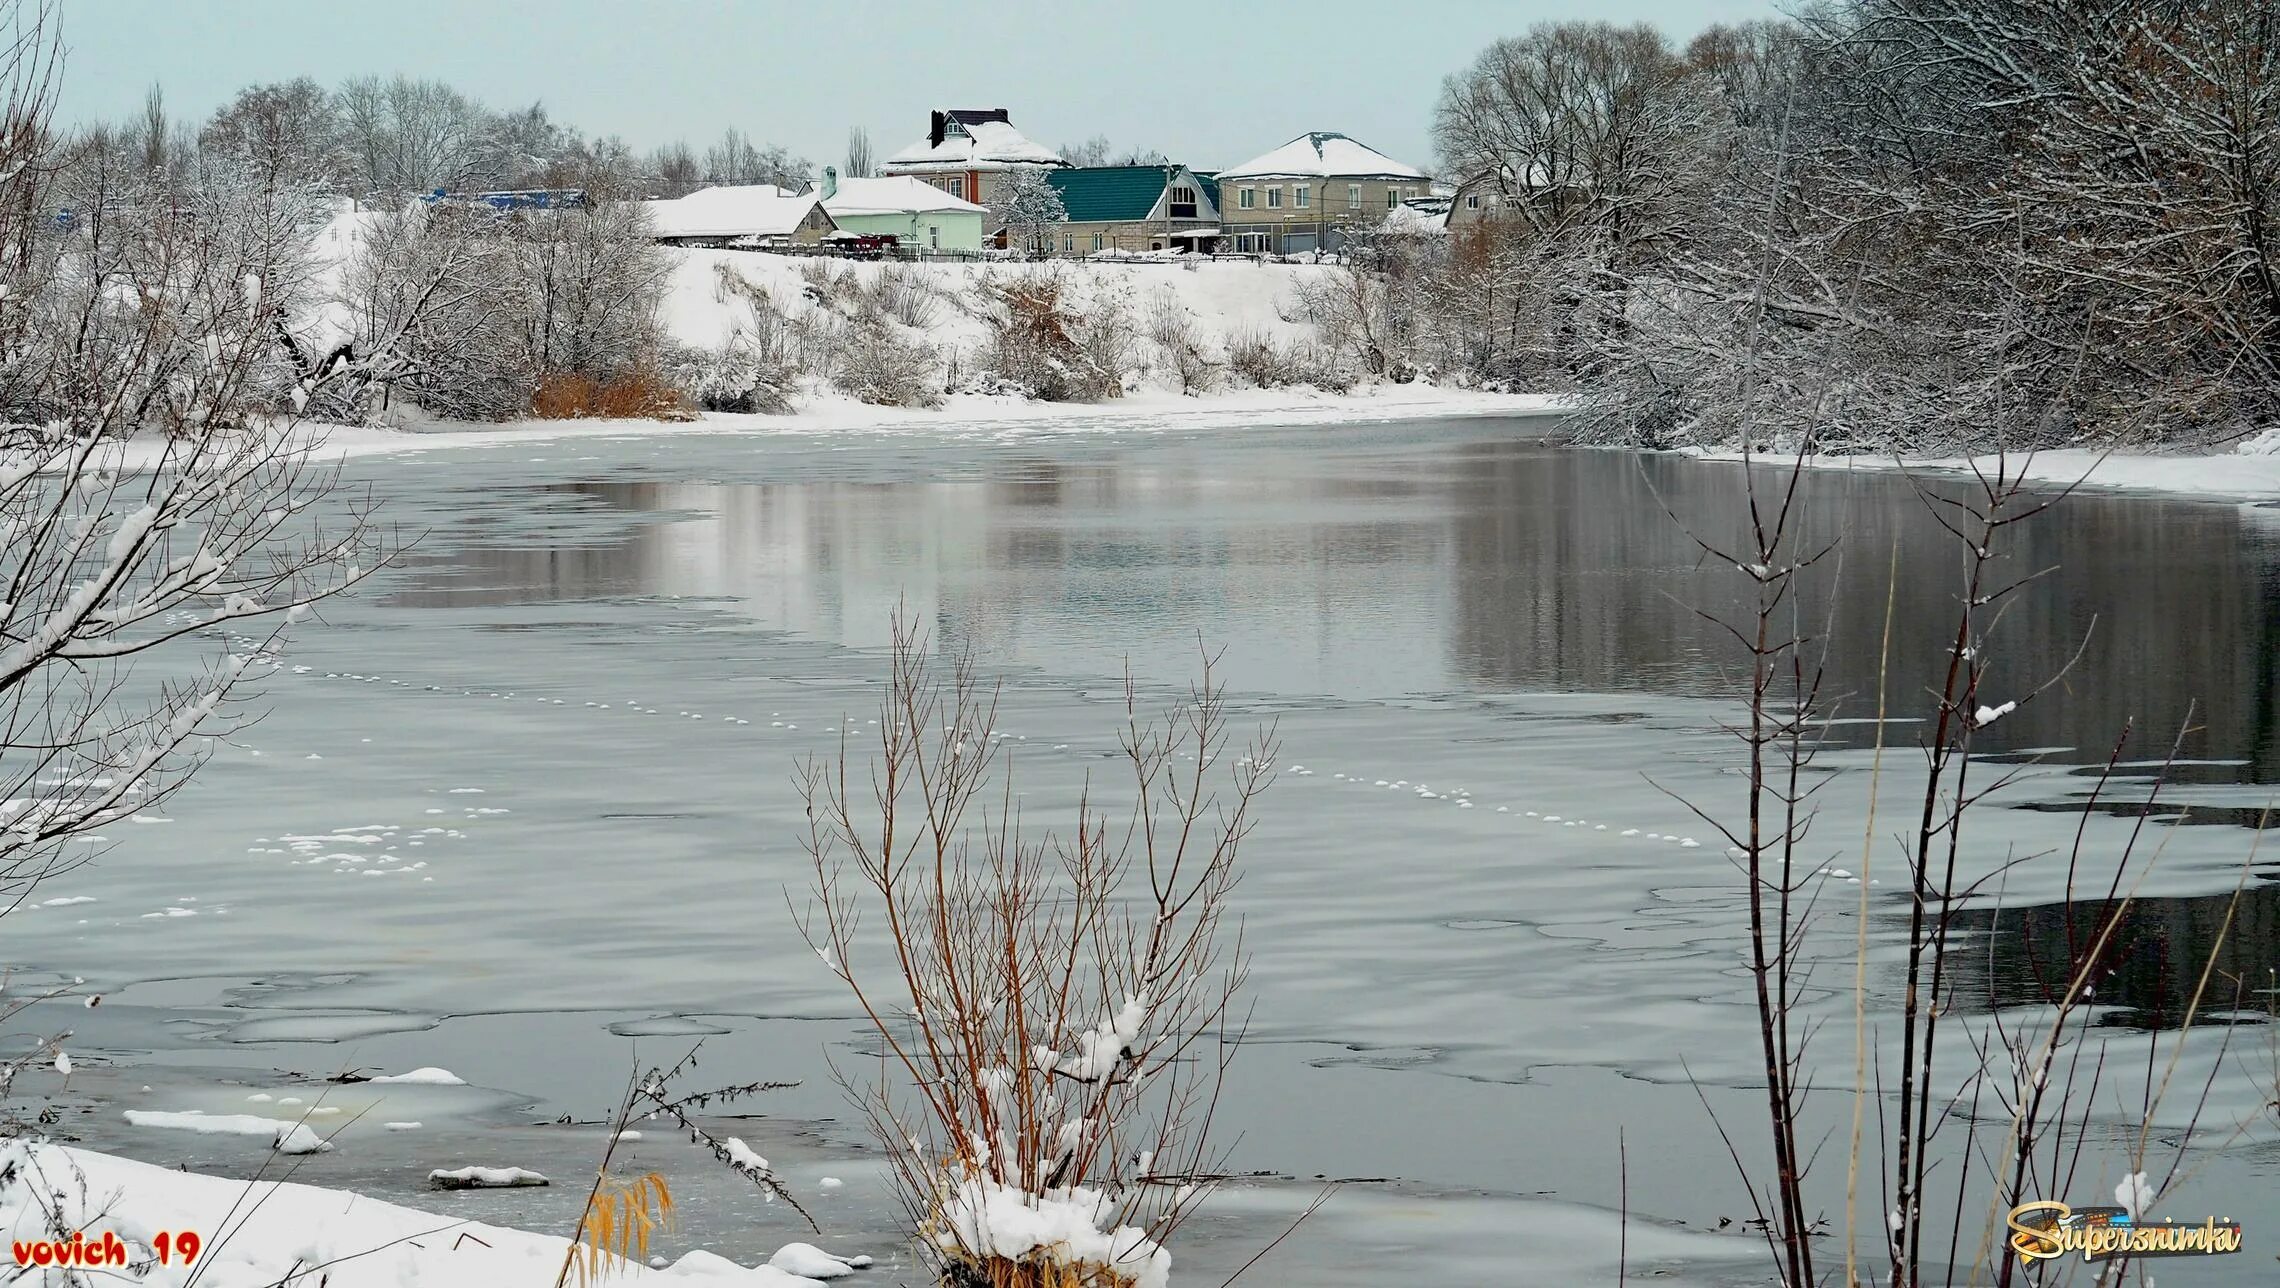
[
  {"x": 998, "y": 1272},
  {"x": 614, "y": 1230},
  {"x": 639, "y": 395}
]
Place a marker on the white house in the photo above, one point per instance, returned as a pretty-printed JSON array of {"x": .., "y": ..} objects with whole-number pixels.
[{"x": 745, "y": 214}]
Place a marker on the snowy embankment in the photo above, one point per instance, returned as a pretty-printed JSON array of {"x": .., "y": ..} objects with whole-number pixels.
[
  {"x": 943, "y": 309},
  {"x": 269, "y": 1232},
  {"x": 2248, "y": 472}
]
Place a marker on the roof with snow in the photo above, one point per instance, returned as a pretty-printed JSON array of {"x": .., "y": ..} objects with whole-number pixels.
[
  {"x": 971, "y": 139},
  {"x": 744, "y": 210},
  {"x": 894, "y": 195},
  {"x": 1421, "y": 217},
  {"x": 1322, "y": 155}
]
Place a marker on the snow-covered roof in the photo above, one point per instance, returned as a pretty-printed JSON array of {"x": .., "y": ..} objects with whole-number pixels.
[
  {"x": 971, "y": 139},
  {"x": 1321, "y": 155},
  {"x": 1418, "y": 218},
  {"x": 894, "y": 195},
  {"x": 744, "y": 210}
]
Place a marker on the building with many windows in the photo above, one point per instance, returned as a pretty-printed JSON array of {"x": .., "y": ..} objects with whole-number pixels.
[
  {"x": 1134, "y": 208},
  {"x": 1298, "y": 197}
]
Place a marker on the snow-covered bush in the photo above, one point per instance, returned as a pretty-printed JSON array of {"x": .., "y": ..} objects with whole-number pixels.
[
  {"x": 904, "y": 293},
  {"x": 871, "y": 358},
  {"x": 757, "y": 369},
  {"x": 1054, "y": 1009},
  {"x": 471, "y": 314},
  {"x": 1265, "y": 361},
  {"x": 732, "y": 378},
  {"x": 1371, "y": 306},
  {"x": 1047, "y": 343},
  {"x": 1172, "y": 327}
]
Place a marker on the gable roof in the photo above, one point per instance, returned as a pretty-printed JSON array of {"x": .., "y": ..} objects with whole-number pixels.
[
  {"x": 744, "y": 210},
  {"x": 894, "y": 195},
  {"x": 966, "y": 138},
  {"x": 1120, "y": 193},
  {"x": 1322, "y": 154}
]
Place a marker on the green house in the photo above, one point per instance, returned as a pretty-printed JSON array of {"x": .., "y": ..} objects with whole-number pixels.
[
  {"x": 913, "y": 212},
  {"x": 1134, "y": 209}
]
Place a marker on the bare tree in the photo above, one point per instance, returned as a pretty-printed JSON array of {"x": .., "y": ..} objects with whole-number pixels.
[
  {"x": 1098, "y": 151},
  {"x": 1056, "y": 1010},
  {"x": 466, "y": 311},
  {"x": 157, "y": 505},
  {"x": 736, "y": 159},
  {"x": 676, "y": 168},
  {"x": 858, "y": 153},
  {"x": 408, "y": 136},
  {"x": 287, "y": 132}
]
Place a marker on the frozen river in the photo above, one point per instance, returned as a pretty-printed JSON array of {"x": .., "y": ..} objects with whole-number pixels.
[{"x": 526, "y": 804}]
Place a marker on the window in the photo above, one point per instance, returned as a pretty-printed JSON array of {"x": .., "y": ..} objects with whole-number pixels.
[
  {"x": 1183, "y": 203},
  {"x": 1098, "y": 241},
  {"x": 1472, "y": 201},
  {"x": 1244, "y": 199},
  {"x": 1299, "y": 196},
  {"x": 934, "y": 236},
  {"x": 1353, "y": 196},
  {"x": 1069, "y": 242},
  {"x": 1392, "y": 197},
  {"x": 1274, "y": 198}
]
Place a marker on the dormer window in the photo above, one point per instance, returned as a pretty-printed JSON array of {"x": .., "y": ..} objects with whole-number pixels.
[
  {"x": 1183, "y": 203},
  {"x": 952, "y": 129}
]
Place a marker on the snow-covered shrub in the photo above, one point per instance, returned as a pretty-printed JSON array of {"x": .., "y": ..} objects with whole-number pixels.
[
  {"x": 1049, "y": 345},
  {"x": 468, "y": 312},
  {"x": 758, "y": 369},
  {"x": 1172, "y": 327},
  {"x": 1262, "y": 360},
  {"x": 144, "y": 283},
  {"x": 904, "y": 293},
  {"x": 1054, "y": 1009},
  {"x": 828, "y": 284},
  {"x": 1372, "y": 305},
  {"x": 731, "y": 378},
  {"x": 873, "y": 359}
]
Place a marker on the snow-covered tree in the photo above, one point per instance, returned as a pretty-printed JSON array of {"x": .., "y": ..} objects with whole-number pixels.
[
  {"x": 1028, "y": 207},
  {"x": 156, "y": 503},
  {"x": 287, "y": 132}
]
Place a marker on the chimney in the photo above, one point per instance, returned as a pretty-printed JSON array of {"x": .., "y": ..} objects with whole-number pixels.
[
  {"x": 830, "y": 182},
  {"x": 934, "y": 129}
]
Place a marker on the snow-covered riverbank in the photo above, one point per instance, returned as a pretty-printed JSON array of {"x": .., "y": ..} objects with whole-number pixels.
[
  {"x": 962, "y": 417},
  {"x": 269, "y": 1232},
  {"x": 2251, "y": 473}
]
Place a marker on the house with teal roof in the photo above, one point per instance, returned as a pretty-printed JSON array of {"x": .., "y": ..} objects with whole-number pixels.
[{"x": 1135, "y": 209}]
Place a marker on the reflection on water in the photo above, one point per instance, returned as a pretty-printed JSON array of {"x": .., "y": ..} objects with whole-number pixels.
[
  {"x": 1500, "y": 566},
  {"x": 1482, "y": 566},
  {"x": 2148, "y": 970}
]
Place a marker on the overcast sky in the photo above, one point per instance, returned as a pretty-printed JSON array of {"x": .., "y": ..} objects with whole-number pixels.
[{"x": 1209, "y": 84}]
